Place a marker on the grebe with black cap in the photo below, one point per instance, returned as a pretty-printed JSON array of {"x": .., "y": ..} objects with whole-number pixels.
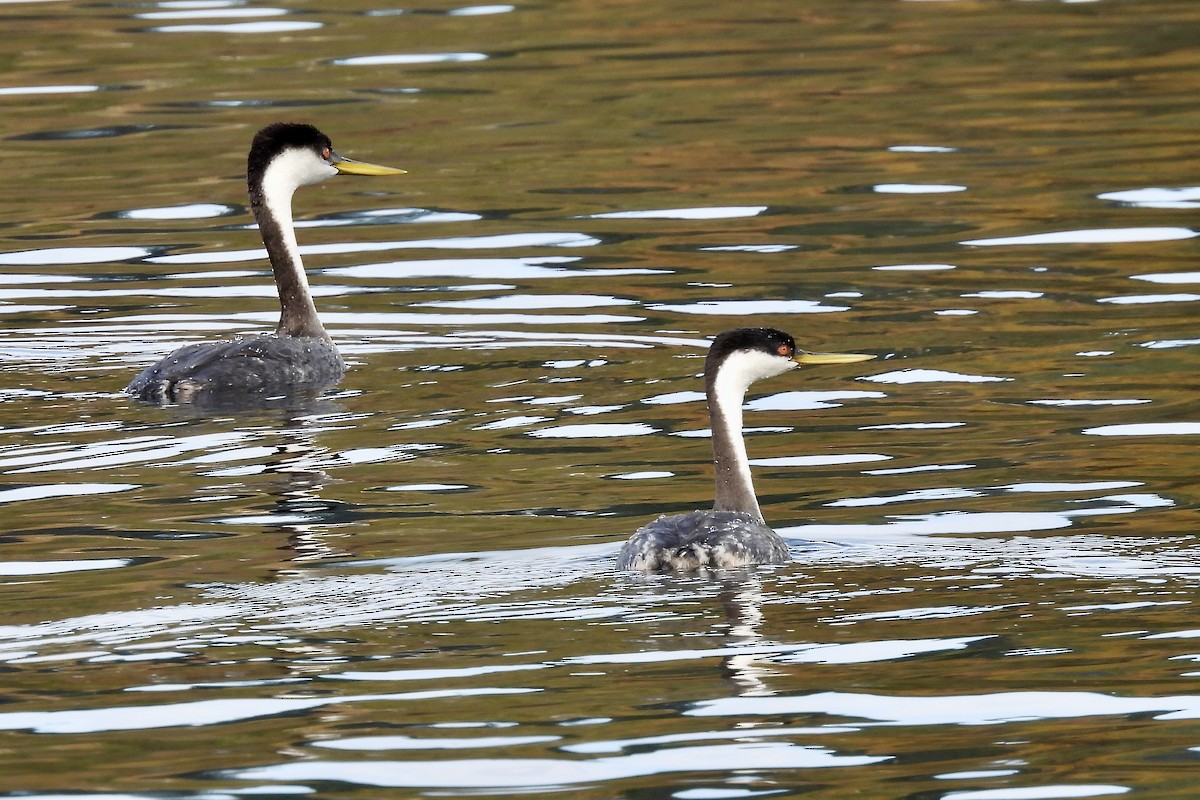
[
  {"x": 299, "y": 354},
  {"x": 733, "y": 533}
]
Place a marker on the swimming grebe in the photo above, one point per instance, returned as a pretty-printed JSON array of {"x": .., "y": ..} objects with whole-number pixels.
[
  {"x": 299, "y": 354},
  {"x": 734, "y": 533}
]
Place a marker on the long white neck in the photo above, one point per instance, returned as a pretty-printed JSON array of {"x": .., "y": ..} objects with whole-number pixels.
[
  {"x": 726, "y": 392},
  {"x": 271, "y": 201},
  {"x": 734, "y": 487}
]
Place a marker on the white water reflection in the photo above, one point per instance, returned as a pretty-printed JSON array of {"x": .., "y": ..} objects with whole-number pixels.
[
  {"x": 704, "y": 212},
  {"x": 531, "y": 301},
  {"x": 206, "y": 712},
  {"x": 1147, "y": 429},
  {"x": 483, "y": 586},
  {"x": 1169, "y": 277},
  {"x": 966, "y": 523},
  {"x": 1091, "y": 236},
  {"x": 498, "y": 241},
  {"x": 376, "y": 743},
  {"x": 747, "y": 307},
  {"x": 931, "y": 376},
  {"x": 428, "y": 487},
  {"x": 642, "y": 476},
  {"x": 914, "y": 267},
  {"x": 750, "y": 248},
  {"x": 949, "y": 709},
  {"x": 672, "y": 398},
  {"x": 384, "y": 216},
  {"x": 17, "y": 279},
  {"x": 241, "y": 27},
  {"x": 484, "y": 269},
  {"x": 912, "y": 426},
  {"x": 1156, "y": 197},
  {"x": 863, "y": 652},
  {"x": 130, "y": 450},
  {"x": 921, "y": 148},
  {"x": 1048, "y": 791},
  {"x": 595, "y": 430},
  {"x": 479, "y": 11},
  {"x": 957, "y": 493},
  {"x": 519, "y": 421},
  {"x": 409, "y": 59},
  {"x": 59, "y": 89},
  {"x": 918, "y": 188},
  {"x": 1143, "y": 299},
  {"x": 779, "y": 401},
  {"x": 619, "y": 745},
  {"x": 48, "y": 491},
  {"x": 28, "y": 308},
  {"x": 31, "y": 568},
  {"x": 263, "y": 290},
  {"x": 189, "y": 211},
  {"x": 1067, "y": 403},
  {"x": 808, "y": 401},
  {"x": 819, "y": 461},
  {"x": 495, "y": 773},
  {"x": 73, "y": 255},
  {"x": 1169, "y": 344},
  {"x": 209, "y": 12},
  {"x": 1009, "y": 294}
]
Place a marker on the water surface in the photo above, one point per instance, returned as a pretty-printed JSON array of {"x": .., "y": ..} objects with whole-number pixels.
[{"x": 406, "y": 588}]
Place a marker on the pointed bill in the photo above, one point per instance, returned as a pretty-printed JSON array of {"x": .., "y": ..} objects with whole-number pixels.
[
  {"x": 348, "y": 166},
  {"x": 829, "y": 358}
]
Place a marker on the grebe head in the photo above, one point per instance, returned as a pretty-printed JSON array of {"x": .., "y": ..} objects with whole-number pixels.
[
  {"x": 744, "y": 355},
  {"x": 287, "y": 155}
]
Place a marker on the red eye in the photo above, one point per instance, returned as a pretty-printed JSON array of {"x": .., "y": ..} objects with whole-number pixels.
[
  {"x": 784, "y": 350},
  {"x": 326, "y": 153}
]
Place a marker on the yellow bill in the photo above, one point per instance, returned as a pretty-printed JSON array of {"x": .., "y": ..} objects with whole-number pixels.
[
  {"x": 829, "y": 358},
  {"x": 348, "y": 166}
]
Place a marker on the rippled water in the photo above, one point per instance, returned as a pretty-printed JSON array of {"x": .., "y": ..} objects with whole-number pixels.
[{"x": 406, "y": 587}]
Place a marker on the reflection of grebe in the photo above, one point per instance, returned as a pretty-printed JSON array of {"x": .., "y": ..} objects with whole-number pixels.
[
  {"x": 283, "y": 157},
  {"x": 733, "y": 534}
]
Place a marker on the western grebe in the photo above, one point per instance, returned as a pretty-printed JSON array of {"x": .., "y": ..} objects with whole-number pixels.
[
  {"x": 734, "y": 533},
  {"x": 299, "y": 354}
]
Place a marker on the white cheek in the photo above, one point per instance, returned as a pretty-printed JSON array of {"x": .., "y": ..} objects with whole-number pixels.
[
  {"x": 744, "y": 368},
  {"x": 747, "y": 366},
  {"x": 293, "y": 168}
]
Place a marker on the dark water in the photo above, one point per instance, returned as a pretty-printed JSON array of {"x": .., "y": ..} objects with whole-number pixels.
[{"x": 406, "y": 587}]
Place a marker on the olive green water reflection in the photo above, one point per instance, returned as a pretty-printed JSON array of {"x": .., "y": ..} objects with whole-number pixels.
[{"x": 406, "y": 587}]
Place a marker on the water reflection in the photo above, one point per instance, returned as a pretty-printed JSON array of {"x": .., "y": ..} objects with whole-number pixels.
[
  {"x": 61, "y": 89},
  {"x": 499, "y": 241},
  {"x": 408, "y": 59},
  {"x": 188, "y": 211},
  {"x": 549, "y": 773},
  {"x": 236, "y": 28},
  {"x": 1182, "y": 197},
  {"x": 75, "y": 256},
  {"x": 103, "y": 132},
  {"x": 296, "y": 466},
  {"x": 494, "y": 586},
  {"x": 718, "y": 212},
  {"x": 993, "y": 533},
  {"x": 917, "y": 188},
  {"x": 994, "y": 709},
  {"x": 1091, "y": 236}
]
